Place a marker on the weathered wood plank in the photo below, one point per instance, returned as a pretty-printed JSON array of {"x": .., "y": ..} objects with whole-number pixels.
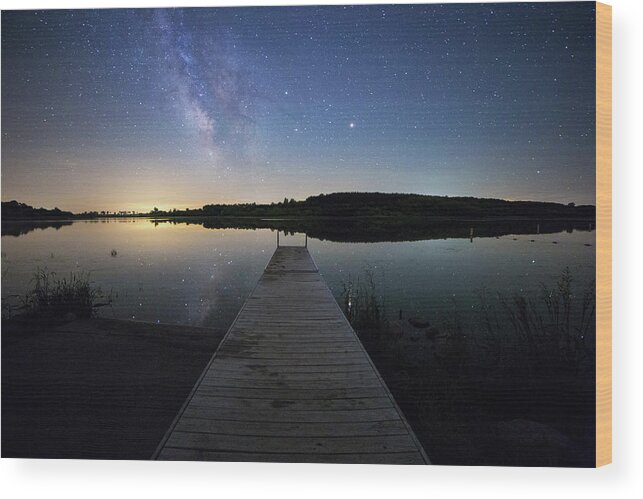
[
  {"x": 291, "y": 383},
  {"x": 289, "y": 416},
  {"x": 352, "y": 361},
  {"x": 174, "y": 454},
  {"x": 289, "y": 349},
  {"x": 363, "y": 429},
  {"x": 347, "y": 378},
  {"x": 302, "y": 358},
  {"x": 239, "y": 401},
  {"x": 274, "y": 370},
  {"x": 281, "y": 444},
  {"x": 272, "y": 393}
]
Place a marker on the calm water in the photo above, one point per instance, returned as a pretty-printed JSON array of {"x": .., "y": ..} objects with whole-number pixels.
[{"x": 188, "y": 274}]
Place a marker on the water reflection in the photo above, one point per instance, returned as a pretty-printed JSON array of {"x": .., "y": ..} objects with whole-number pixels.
[
  {"x": 20, "y": 228},
  {"x": 177, "y": 272},
  {"x": 389, "y": 230}
]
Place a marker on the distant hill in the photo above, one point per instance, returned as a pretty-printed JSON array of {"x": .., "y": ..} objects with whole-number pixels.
[
  {"x": 13, "y": 210},
  {"x": 369, "y": 204}
]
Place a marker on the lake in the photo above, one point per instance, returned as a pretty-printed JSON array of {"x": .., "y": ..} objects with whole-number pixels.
[{"x": 187, "y": 274}]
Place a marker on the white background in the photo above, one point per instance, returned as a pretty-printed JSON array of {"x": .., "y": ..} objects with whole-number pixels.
[{"x": 105, "y": 479}]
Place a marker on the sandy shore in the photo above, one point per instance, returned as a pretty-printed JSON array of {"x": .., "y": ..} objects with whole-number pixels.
[{"x": 96, "y": 389}]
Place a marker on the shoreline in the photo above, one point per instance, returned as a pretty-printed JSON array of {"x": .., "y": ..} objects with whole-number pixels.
[
  {"x": 96, "y": 388},
  {"x": 397, "y": 218}
]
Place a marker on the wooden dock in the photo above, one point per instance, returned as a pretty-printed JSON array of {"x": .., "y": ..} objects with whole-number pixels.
[{"x": 291, "y": 382}]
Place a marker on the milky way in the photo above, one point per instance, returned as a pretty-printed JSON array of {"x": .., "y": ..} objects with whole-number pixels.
[
  {"x": 210, "y": 89},
  {"x": 118, "y": 109}
]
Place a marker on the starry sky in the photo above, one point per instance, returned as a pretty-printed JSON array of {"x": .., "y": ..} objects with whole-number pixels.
[{"x": 130, "y": 109}]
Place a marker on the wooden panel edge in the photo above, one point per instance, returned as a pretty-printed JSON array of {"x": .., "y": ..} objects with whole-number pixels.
[{"x": 603, "y": 234}]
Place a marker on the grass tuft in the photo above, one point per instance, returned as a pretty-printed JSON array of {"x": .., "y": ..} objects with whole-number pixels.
[
  {"x": 59, "y": 297},
  {"x": 363, "y": 306}
]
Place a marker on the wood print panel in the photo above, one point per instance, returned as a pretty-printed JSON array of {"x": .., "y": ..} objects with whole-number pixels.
[{"x": 604, "y": 234}]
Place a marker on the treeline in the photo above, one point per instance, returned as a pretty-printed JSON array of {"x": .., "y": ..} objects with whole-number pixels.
[
  {"x": 13, "y": 210},
  {"x": 341, "y": 204},
  {"x": 377, "y": 204}
]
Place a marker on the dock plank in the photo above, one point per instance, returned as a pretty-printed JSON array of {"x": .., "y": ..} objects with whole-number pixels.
[
  {"x": 362, "y": 429},
  {"x": 297, "y": 444},
  {"x": 175, "y": 454}
]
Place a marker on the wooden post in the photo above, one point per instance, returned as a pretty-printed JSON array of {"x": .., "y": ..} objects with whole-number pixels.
[
  {"x": 306, "y": 240},
  {"x": 277, "y": 238}
]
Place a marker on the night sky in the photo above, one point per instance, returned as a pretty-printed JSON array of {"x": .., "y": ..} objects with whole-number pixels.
[{"x": 130, "y": 109}]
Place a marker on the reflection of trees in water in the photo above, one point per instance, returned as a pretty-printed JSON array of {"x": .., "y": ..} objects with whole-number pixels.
[
  {"x": 373, "y": 229},
  {"x": 20, "y": 228},
  {"x": 364, "y": 229}
]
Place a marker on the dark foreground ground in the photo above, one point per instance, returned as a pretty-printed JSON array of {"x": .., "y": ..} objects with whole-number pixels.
[
  {"x": 109, "y": 389},
  {"x": 96, "y": 389},
  {"x": 468, "y": 413}
]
